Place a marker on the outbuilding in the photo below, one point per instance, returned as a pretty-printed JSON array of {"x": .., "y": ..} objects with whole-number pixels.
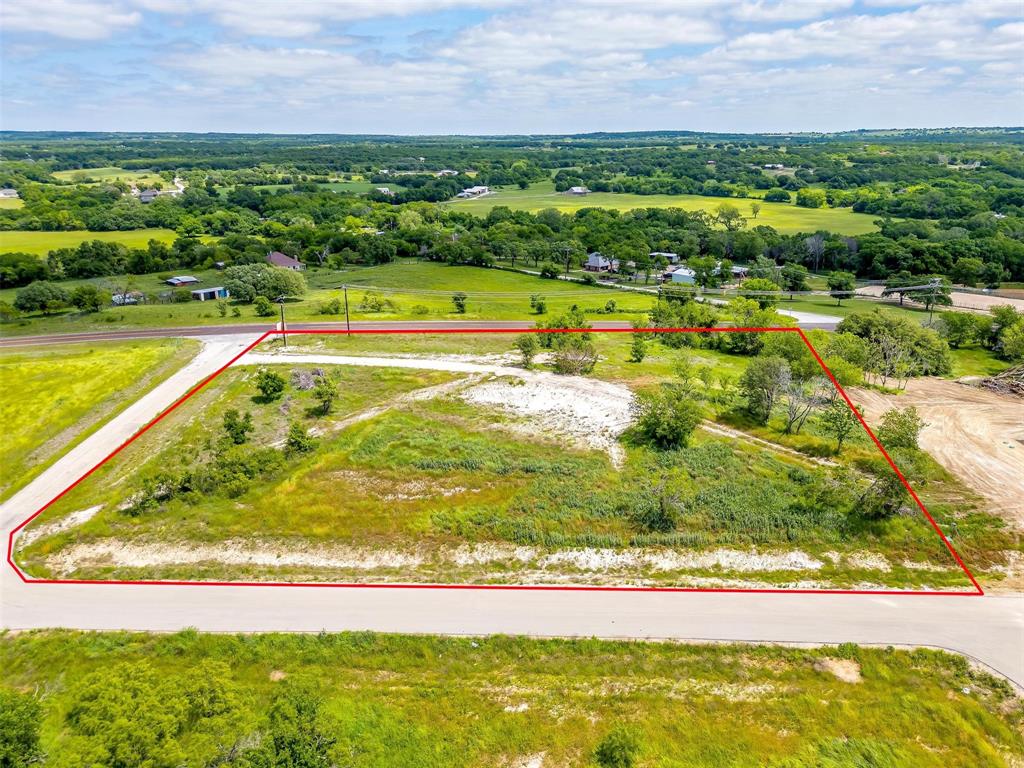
[
  {"x": 210, "y": 294},
  {"x": 181, "y": 280}
]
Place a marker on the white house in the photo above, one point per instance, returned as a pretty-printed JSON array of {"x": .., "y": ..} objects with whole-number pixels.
[
  {"x": 774, "y": 166},
  {"x": 578, "y": 191},
  {"x": 385, "y": 191},
  {"x": 597, "y": 263},
  {"x": 8, "y": 194},
  {"x": 474, "y": 191},
  {"x": 684, "y": 275}
]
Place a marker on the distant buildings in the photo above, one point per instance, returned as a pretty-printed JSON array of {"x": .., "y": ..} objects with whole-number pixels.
[
  {"x": 597, "y": 262},
  {"x": 447, "y": 172},
  {"x": 578, "y": 191},
  {"x": 683, "y": 275},
  {"x": 671, "y": 258},
  {"x": 474, "y": 192},
  {"x": 774, "y": 166},
  {"x": 385, "y": 191},
  {"x": 7, "y": 193},
  {"x": 278, "y": 259},
  {"x": 181, "y": 280},
  {"x": 148, "y": 195}
]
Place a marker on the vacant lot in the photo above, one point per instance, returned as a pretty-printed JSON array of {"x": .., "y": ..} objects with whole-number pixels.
[
  {"x": 42, "y": 243},
  {"x": 53, "y": 397},
  {"x": 461, "y": 466},
  {"x": 785, "y": 217},
  {"x": 390, "y": 700}
]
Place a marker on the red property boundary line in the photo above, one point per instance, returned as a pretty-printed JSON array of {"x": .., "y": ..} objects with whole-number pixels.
[{"x": 977, "y": 591}]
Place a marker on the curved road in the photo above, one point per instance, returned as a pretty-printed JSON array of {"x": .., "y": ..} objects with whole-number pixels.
[{"x": 988, "y": 629}]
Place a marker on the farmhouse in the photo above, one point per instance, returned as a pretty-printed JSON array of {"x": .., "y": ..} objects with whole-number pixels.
[
  {"x": 148, "y": 195},
  {"x": 8, "y": 194},
  {"x": 182, "y": 280},
  {"x": 598, "y": 263},
  {"x": 385, "y": 191},
  {"x": 578, "y": 191},
  {"x": 278, "y": 259},
  {"x": 476, "y": 191},
  {"x": 210, "y": 294},
  {"x": 773, "y": 166}
]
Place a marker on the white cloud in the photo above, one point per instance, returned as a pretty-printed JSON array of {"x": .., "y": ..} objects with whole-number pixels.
[
  {"x": 67, "y": 19},
  {"x": 789, "y": 10}
]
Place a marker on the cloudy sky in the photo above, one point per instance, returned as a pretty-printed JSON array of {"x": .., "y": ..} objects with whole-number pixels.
[{"x": 498, "y": 66}]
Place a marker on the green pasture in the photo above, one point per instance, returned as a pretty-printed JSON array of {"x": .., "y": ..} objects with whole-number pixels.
[
  {"x": 787, "y": 218},
  {"x": 41, "y": 243},
  {"x": 11, "y": 203},
  {"x": 111, "y": 173},
  {"x": 55, "y": 396},
  {"x": 431, "y": 702}
]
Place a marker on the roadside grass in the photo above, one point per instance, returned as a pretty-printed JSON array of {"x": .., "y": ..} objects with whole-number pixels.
[
  {"x": 108, "y": 174},
  {"x": 437, "y": 474},
  {"x": 976, "y": 361},
  {"x": 787, "y": 218},
  {"x": 55, "y": 396},
  {"x": 432, "y": 702},
  {"x": 41, "y": 243}
]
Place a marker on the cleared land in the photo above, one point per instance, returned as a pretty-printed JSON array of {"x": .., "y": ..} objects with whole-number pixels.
[
  {"x": 391, "y": 700},
  {"x": 41, "y": 243},
  {"x": 53, "y": 397},
  {"x": 461, "y": 467},
  {"x": 787, "y": 218},
  {"x": 7, "y": 202},
  {"x": 110, "y": 173}
]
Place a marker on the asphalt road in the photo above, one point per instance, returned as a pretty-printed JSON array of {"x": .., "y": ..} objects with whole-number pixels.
[{"x": 988, "y": 629}]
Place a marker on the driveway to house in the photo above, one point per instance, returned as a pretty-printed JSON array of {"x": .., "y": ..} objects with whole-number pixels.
[{"x": 987, "y": 629}]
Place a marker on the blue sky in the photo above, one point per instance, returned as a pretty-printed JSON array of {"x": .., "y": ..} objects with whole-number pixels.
[{"x": 498, "y": 66}]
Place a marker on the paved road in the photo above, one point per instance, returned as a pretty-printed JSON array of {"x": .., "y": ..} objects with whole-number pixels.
[{"x": 989, "y": 629}]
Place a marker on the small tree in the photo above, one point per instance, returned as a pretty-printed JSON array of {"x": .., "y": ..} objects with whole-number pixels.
[
  {"x": 841, "y": 285},
  {"x": 298, "y": 440},
  {"x": 237, "y": 426},
  {"x": 325, "y": 392},
  {"x": 222, "y": 308},
  {"x": 619, "y": 749},
  {"x": 765, "y": 292},
  {"x": 665, "y": 418},
  {"x": 762, "y": 382},
  {"x": 89, "y": 298},
  {"x": 549, "y": 271},
  {"x": 41, "y": 296},
  {"x": 528, "y": 347},
  {"x": 901, "y": 428},
  {"x": 538, "y": 304},
  {"x": 755, "y": 209},
  {"x": 270, "y": 384},
  {"x": 638, "y": 351},
  {"x": 459, "y": 302},
  {"x": 839, "y": 421},
  {"x": 263, "y": 307}
]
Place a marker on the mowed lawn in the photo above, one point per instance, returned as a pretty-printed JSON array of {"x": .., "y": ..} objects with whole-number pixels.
[
  {"x": 41, "y": 243},
  {"x": 111, "y": 173},
  {"x": 431, "y": 702},
  {"x": 787, "y": 218},
  {"x": 53, "y": 397},
  {"x": 11, "y": 203}
]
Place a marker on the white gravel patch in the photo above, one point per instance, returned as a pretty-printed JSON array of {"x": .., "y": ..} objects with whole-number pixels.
[
  {"x": 669, "y": 560},
  {"x": 73, "y": 520}
]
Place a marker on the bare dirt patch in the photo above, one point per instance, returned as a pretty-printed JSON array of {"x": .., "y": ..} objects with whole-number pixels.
[
  {"x": 846, "y": 670},
  {"x": 977, "y": 435}
]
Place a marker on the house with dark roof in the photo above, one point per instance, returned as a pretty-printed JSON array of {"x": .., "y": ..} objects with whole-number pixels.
[
  {"x": 182, "y": 280},
  {"x": 278, "y": 259},
  {"x": 148, "y": 195}
]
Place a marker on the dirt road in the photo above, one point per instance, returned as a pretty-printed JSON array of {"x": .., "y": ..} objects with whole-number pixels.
[
  {"x": 961, "y": 299},
  {"x": 975, "y": 434}
]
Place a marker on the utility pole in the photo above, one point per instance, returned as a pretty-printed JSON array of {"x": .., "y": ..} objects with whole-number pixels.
[
  {"x": 348, "y": 325},
  {"x": 284, "y": 336}
]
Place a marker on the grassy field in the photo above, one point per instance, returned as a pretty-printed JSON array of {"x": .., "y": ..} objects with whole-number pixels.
[
  {"x": 142, "y": 179},
  {"x": 412, "y": 291},
  {"x": 77, "y": 387},
  {"x": 787, "y": 218},
  {"x": 428, "y": 702},
  {"x": 11, "y": 203},
  {"x": 394, "y": 493},
  {"x": 42, "y": 243}
]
